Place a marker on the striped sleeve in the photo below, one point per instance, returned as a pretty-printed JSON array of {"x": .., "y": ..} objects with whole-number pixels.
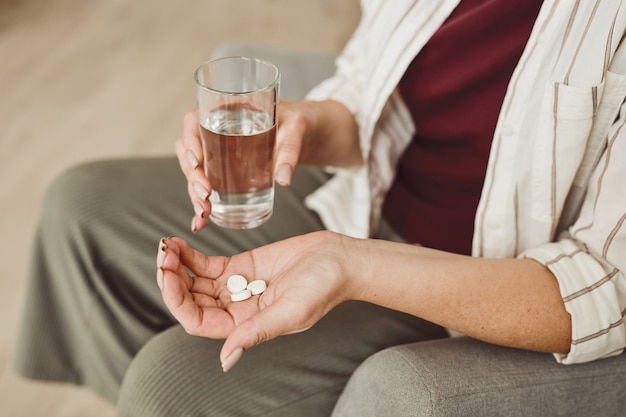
[{"x": 589, "y": 261}]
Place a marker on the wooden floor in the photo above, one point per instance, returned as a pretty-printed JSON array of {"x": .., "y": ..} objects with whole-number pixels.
[{"x": 89, "y": 79}]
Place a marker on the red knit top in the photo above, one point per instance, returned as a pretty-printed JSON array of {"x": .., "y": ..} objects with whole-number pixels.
[{"x": 454, "y": 89}]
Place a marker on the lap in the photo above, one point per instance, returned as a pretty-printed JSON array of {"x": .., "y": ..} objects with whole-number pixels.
[{"x": 294, "y": 375}]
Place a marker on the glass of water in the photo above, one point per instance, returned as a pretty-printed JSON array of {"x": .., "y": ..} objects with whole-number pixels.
[{"x": 237, "y": 99}]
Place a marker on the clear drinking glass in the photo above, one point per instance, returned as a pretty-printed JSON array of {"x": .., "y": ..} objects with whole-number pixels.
[{"x": 237, "y": 99}]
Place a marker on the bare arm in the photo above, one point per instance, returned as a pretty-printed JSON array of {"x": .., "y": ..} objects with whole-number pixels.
[{"x": 511, "y": 302}]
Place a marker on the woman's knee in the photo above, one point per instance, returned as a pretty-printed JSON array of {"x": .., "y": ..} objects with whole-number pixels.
[
  {"x": 162, "y": 379},
  {"x": 385, "y": 384},
  {"x": 177, "y": 374}
]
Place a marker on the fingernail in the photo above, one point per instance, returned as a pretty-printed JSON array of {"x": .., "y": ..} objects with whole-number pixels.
[
  {"x": 161, "y": 252},
  {"x": 201, "y": 191},
  {"x": 197, "y": 208},
  {"x": 232, "y": 359},
  {"x": 283, "y": 174},
  {"x": 160, "y": 277},
  {"x": 194, "y": 228},
  {"x": 193, "y": 161}
]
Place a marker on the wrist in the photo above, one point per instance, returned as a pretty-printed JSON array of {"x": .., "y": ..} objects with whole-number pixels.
[
  {"x": 357, "y": 257},
  {"x": 332, "y": 138}
]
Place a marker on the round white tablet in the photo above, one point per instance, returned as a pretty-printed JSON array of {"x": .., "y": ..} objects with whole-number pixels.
[
  {"x": 236, "y": 283},
  {"x": 241, "y": 295},
  {"x": 257, "y": 287}
]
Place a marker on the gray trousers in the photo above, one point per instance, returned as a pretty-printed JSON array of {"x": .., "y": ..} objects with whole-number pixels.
[{"x": 94, "y": 316}]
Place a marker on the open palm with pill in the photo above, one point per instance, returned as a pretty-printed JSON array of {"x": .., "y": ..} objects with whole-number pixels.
[{"x": 305, "y": 278}]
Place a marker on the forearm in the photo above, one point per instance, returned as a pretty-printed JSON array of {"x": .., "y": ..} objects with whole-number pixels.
[{"x": 510, "y": 302}]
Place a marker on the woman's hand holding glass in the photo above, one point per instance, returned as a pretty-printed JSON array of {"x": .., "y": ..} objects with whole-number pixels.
[{"x": 308, "y": 132}]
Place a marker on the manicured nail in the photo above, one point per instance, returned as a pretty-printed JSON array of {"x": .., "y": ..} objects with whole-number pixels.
[
  {"x": 232, "y": 359},
  {"x": 161, "y": 252},
  {"x": 193, "y": 161},
  {"x": 198, "y": 209},
  {"x": 194, "y": 228},
  {"x": 160, "y": 277},
  {"x": 201, "y": 191},
  {"x": 283, "y": 174}
]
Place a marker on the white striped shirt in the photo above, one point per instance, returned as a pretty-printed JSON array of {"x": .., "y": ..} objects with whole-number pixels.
[{"x": 555, "y": 188}]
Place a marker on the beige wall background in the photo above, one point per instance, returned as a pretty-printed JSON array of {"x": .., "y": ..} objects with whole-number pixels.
[{"x": 91, "y": 79}]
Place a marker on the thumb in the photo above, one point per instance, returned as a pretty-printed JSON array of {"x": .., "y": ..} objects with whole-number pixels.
[
  {"x": 288, "y": 147},
  {"x": 268, "y": 324}
]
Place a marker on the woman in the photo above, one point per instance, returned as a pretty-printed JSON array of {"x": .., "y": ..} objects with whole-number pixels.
[{"x": 477, "y": 127}]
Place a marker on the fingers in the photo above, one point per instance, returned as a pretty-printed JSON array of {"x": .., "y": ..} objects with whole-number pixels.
[
  {"x": 182, "y": 255},
  {"x": 175, "y": 284},
  {"x": 292, "y": 127},
  {"x": 173, "y": 262},
  {"x": 180, "y": 301},
  {"x": 199, "y": 314},
  {"x": 191, "y": 160},
  {"x": 189, "y": 152},
  {"x": 192, "y": 300},
  {"x": 198, "y": 263}
]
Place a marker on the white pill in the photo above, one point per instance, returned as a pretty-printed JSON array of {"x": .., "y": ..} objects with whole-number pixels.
[
  {"x": 257, "y": 287},
  {"x": 241, "y": 295},
  {"x": 236, "y": 283}
]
